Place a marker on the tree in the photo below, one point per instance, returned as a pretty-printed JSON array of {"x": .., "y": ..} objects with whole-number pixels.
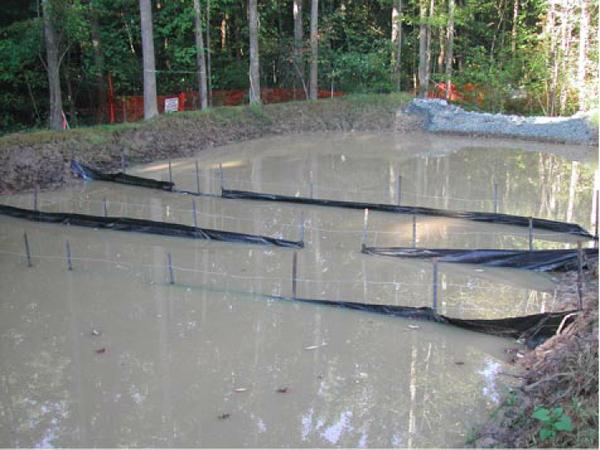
[
  {"x": 200, "y": 61},
  {"x": 150, "y": 106},
  {"x": 449, "y": 46},
  {"x": 254, "y": 72},
  {"x": 584, "y": 25},
  {"x": 314, "y": 49},
  {"x": 424, "y": 49},
  {"x": 299, "y": 43},
  {"x": 397, "y": 41},
  {"x": 52, "y": 66}
]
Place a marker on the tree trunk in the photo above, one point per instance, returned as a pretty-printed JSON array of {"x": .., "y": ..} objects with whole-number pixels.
[
  {"x": 314, "y": 49},
  {"x": 299, "y": 42},
  {"x": 449, "y": 46},
  {"x": 150, "y": 106},
  {"x": 513, "y": 34},
  {"x": 583, "y": 41},
  {"x": 565, "y": 47},
  {"x": 53, "y": 67},
  {"x": 101, "y": 96},
  {"x": 423, "y": 49},
  {"x": 200, "y": 61},
  {"x": 254, "y": 57},
  {"x": 397, "y": 42},
  {"x": 208, "y": 56}
]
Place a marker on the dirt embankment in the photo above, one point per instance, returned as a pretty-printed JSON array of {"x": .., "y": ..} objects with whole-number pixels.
[
  {"x": 42, "y": 158},
  {"x": 560, "y": 373}
]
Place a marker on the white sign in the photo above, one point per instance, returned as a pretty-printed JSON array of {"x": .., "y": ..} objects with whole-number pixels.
[{"x": 171, "y": 104}]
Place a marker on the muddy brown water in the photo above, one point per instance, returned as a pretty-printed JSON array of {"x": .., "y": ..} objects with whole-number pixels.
[{"x": 111, "y": 354}]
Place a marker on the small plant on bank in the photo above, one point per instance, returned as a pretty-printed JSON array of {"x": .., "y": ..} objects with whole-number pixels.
[{"x": 553, "y": 420}]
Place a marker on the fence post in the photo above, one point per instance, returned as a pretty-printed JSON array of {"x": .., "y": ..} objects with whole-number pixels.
[
  {"x": 530, "y": 233},
  {"x": 294, "y": 275},
  {"x": 579, "y": 275},
  {"x": 27, "y": 250},
  {"x": 68, "y": 250},
  {"x": 194, "y": 213},
  {"x": 35, "y": 198},
  {"x": 301, "y": 226},
  {"x": 597, "y": 215},
  {"x": 197, "y": 177},
  {"x": 435, "y": 284},
  {"x": 495, "y": 194},
  {"x": 123, "y": 163},
  {"x": 221, "y": 177},
  {"x": 170, "y": 267},
  {"x": 399, "y": 190},
  {"x": 365, "y": 229},
  {"x": 414, "y": 230}
]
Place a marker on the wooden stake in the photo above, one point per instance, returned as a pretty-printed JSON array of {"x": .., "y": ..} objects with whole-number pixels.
[
  {"x": 27, "y": 250},
  {"x": 579, "y": 274},
  {"x": 194, "y": 213},
  {"x": 414, "y": 231},
  {"x": 311, "y": 186},
  {"x": 197, "y": 177},
  {"x": 301, "y": 226},
  {"x": 530, "y": 234},
  {"x": 222, "y": 177},
  {"x": 597, "y": 214},
  {"x": 170, "y": 172},
  {"x": 495, "y": 194},
  {"x": 399, "y": 190},
  {"x": 105, "y": 207},
  {"x": 123, "y": 163},
  {"x": 170, "y": 267},
  {"x": 294, "y": 275},
  {"x": 365, "y": 229},
  {"x": 35, "y": 198},
  {"x": 68, "y": 250},
  {"x": 435, "y": 284}
]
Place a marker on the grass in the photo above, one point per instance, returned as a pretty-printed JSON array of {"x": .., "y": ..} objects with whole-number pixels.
[{"x": 265, "y": 115}]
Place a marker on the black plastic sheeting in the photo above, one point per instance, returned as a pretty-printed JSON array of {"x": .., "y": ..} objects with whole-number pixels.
[
  {"x": 502, "y": 219},
  {"x": 539, "y": 260},
  {"x": 88, "y": 173},
  {"x": 531, "y": 327},
  {"x": 144, "y": 226}
]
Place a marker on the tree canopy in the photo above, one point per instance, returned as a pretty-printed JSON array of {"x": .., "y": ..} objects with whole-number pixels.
[{"x": 526, "y": 56}]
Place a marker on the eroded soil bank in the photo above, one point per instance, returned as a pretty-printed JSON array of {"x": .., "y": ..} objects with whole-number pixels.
[
  {"x": 42, "y": 158},
  {"x": 561, "y": 373}
]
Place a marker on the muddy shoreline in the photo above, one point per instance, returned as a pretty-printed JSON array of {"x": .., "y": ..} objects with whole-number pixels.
[
  {"x": 560, "y": 373},
  {"x": 42, "y": 158}
]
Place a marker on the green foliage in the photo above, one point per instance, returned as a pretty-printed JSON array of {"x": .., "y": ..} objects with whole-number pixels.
[{"x": 553, "y": 421}]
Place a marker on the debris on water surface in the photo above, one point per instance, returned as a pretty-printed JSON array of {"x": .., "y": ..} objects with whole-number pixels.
[
  {"x": 224, "y": 416},
  {"x": 240, "y": 390},
  {"x": 101, "y": 350},
  {"x": 283, "y": 390},
  {"x": 414, "y": 327},
  {"x": 95, "y": 332},
  {"x": 459, "y": 363}
]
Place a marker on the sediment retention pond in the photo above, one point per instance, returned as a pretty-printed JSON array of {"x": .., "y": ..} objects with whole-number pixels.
[{"x": 166, "y": 341}]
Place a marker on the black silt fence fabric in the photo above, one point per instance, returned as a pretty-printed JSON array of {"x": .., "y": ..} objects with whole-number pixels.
[
  {"x": 503, "y": 219},
  {"x": 538, "y": 260},
  {"x": 531, "y": 327},
  {"x": 144, "y": 226}
]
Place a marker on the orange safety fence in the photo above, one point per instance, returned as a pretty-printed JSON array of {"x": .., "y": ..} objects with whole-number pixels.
[{"x": 131, "y": 108}]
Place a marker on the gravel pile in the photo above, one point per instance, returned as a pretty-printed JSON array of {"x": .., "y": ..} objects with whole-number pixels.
[{"x": 440, "y": 117}]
